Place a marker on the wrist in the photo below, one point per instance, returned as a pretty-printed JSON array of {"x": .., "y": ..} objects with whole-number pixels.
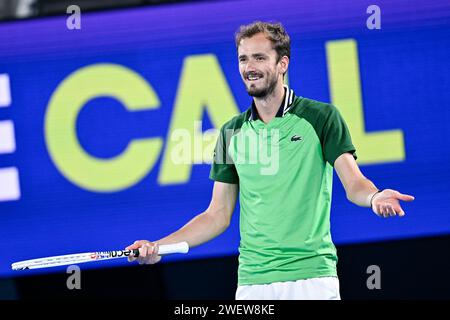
[{"x": 373, "y": 196}]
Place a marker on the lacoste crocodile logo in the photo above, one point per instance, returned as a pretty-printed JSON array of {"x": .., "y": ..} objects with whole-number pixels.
[{"x": 296, "y": 138}]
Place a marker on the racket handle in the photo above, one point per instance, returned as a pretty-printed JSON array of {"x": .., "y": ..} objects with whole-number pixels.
[{"x": 180, "y": 247}]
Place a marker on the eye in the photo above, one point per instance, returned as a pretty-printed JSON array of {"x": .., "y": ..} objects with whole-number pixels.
[
  {"x": 242, "y": 59},
  {"x": 260, "y": 58}
]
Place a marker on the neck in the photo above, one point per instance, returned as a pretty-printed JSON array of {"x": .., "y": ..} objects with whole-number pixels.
[{"x": 268, "y": 106}]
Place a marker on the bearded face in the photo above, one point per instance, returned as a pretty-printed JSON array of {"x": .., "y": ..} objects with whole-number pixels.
[
  {"x": 260, "y": 84},
  {"x": 259, "y": 67}
]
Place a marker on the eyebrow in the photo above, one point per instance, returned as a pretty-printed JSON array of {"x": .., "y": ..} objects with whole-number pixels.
[{"x": 254, "y": 55}]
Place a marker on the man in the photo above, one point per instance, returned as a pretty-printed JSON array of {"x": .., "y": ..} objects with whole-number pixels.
[{"x": 280, "y": 155}]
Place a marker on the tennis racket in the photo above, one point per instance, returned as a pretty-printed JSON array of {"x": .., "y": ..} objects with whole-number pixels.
[{"x": 68, "y": 259}]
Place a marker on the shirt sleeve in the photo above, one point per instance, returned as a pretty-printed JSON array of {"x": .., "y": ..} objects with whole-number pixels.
[
  {"x": 223, "y": 168},
  {"x": 336, "y": 138}
]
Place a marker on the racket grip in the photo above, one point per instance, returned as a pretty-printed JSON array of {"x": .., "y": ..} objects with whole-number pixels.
[{"x": 180, "y": 247}]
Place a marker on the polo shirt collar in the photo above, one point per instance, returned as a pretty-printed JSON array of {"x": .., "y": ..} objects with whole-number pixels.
[{"x": 286, "y": 104}]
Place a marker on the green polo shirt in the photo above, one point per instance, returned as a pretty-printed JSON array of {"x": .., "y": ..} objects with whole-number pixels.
[{"x": 284, "y": 170}]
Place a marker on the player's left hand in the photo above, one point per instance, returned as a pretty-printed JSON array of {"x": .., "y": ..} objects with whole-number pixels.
[{"x": 386, "y": 203}]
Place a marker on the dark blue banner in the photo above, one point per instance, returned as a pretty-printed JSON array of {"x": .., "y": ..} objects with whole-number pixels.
[{"x": 91, "y": 119}]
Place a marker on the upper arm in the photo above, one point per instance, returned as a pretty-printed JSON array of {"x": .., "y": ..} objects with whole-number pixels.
[
  {"x": 223, "y": 201},
  {"x": 223, "y": 168},
  {"x": 347, "y": 169},
  {"x": 225, "y": 176},
  {"x": 336, "y": 139}
]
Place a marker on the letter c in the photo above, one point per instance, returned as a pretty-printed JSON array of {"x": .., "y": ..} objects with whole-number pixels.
[{"x": 74, "y": 163}]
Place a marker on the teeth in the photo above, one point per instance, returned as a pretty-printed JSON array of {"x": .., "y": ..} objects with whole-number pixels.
[{"x": 253, "y": 77}]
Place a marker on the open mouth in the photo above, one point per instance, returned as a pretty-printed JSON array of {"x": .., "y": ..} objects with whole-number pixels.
[{"x": 253, "y": 77}]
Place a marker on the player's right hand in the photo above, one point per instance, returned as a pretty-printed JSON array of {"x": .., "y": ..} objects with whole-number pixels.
[{"x": 148, "y": 252}]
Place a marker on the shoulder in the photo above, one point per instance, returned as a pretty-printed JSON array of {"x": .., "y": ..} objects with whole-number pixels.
[{"x": 313, "y": 110}]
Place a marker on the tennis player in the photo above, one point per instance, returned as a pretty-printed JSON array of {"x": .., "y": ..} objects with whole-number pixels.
[{"x": 279, "y": 156}]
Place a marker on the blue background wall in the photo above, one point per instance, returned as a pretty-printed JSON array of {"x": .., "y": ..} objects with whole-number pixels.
[{"x": 405, "y": 82}]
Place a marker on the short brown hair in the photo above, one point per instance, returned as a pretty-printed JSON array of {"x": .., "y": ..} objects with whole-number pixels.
[{"x": 274, "y": 32}]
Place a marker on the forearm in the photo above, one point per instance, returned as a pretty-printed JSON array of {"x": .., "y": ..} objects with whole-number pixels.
[
  {"x": 361, "y": 191},
  {"x": 200, "y": 229}
]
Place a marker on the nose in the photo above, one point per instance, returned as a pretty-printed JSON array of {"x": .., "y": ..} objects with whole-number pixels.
[{"x": 249, "y": 67}]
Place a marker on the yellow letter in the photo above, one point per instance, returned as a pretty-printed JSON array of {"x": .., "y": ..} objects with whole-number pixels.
[
  {"x": 202, "y": 87},
  {"x": 345, "y": 88},
  {"x": 101, "y": 175}
]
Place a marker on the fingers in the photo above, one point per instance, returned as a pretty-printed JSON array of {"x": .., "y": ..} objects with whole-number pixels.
[
  {"x": 379, "y": 210},
  {"x": 148, "y": 252},
  {"x": 389, "y": 210},
  {"x": 136, "y": 245},
  {"x": 154, "y": 257},
  {"x": 143, "y": 252},
  {"x": 404, "y": 197},
  {"x": 384, "y": 211},
  {"x": 389, "y": 205}
]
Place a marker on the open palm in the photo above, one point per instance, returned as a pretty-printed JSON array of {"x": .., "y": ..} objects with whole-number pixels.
[{"x": 387, "y": 203}]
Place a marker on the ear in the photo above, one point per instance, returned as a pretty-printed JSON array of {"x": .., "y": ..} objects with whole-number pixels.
[{"x": 284, "y": 64}]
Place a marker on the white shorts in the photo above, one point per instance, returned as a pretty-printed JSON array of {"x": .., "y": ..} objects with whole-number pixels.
[{"x": 324, "y": 288}]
